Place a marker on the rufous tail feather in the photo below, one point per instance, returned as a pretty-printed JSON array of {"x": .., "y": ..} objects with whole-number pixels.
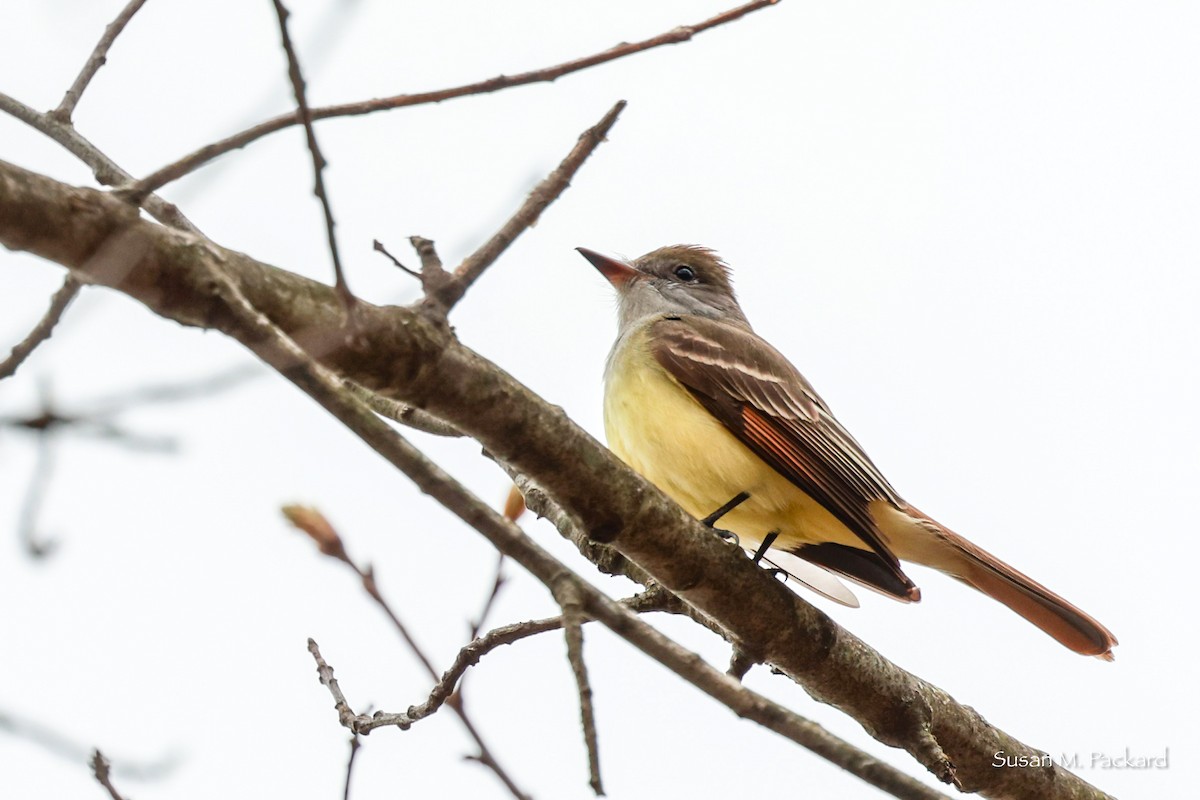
[{"x": 1065, "y": 622}]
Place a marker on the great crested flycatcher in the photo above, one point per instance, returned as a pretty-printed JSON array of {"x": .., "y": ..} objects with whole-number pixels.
[{"x": 707, "y": 411}]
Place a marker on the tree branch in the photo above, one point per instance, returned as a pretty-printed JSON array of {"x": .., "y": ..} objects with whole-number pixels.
[
  {"x": 44, "y": 328},
  {"x": 404, "y": 354},
  {"x": 527, "y": 215},
  {"x": 314, "y": 149},
  {"x": 100, "y": 769},
  {"x": 95, "y": 61},
  {"x": 36, "y": 546},
  {"x": 355, "y": 744},
  {"x": 470, "y": 654},
  {"x": 567, "y": 595},
  {"x": 104, "y": 168},
  {"x": 330, "y": 543},
  {"x": 198, "y": 158}
]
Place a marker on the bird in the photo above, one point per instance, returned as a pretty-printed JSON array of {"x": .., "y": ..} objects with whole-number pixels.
[{"x": 719, "y": 420}]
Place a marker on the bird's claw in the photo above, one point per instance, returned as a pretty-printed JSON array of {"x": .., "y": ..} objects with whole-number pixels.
[{"x": 730, "y": 538}]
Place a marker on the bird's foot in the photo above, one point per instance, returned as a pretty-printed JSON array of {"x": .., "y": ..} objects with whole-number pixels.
[
  {"x": 730, "y": 538},
  {"x": 711, "y": 520}
]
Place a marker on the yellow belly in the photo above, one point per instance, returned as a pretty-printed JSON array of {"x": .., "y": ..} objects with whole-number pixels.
[{"x": 656, "y": 427}]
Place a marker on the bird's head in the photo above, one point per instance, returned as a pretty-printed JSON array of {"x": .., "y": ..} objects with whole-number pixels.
[{"x": 679, "y": 279}]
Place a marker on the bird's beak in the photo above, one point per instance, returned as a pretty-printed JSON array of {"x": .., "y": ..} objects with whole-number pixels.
[{"x": 618, "y": 272}]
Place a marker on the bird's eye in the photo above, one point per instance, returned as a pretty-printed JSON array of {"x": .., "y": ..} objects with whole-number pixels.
[{"x": 685, "y": 273}]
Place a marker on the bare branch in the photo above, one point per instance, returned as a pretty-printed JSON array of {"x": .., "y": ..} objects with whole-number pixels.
[
  {"x": 442, "y": 290},
  {"x": 95, "y": 61},
  {"x": 470, "y": 655},
  {"x": 431, "y": 262},
  {"x": 480, "y": 646},
  {"x": 44, "y": 328},
  {"x": 434, "y": 278},
  {"x": 346, "y": 715},
  {"x": 355, "y": 744},
  {"x": 330, "y": 543},
  {"x": 318, "y": 160},
  {"x": 403, "y": 413},
  {"x": 104, "y": 168},
  {"x": 35, "y": 546},
  {"x": 497, "y": 584},
  {"x": 379, "y": 247},
  {"x": 567, "y": 594},
  {"x": 193, "y": 161},
  {"x": 606, "y": 557},
  {"x": 527, "y": 215},
  {"x": 100, "y": 770},
  {"x": 372, "y": 588}
]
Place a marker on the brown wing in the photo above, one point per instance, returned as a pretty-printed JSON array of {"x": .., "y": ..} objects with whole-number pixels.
[{"x": 768, "y": 405}]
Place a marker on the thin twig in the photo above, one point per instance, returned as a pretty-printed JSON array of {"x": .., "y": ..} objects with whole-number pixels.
[
  {"x": 403, "y": 413},
  {"x": 431, "y": 262},
  {"x": 379, "y": 247},
  {"x": 194, "y": 160},
  {"x": 567, "y": 595},
  {"x": 100, "y": 770},
  {"x": 372, "y": 588},
  {"x": 104, "y": 168},
  {"x": 442, "y": 290},
  {"x": 318, "y": 160},
  {"x": 498, "y": 580},
  {"x": 330, "y": 543},
  {"x": 484, "y": 755},
  {"x": 434, "y": 279},
  {"x": 471, "y": 653},
  {"x": 355, "y": 744},
  {"x": 527, "y": 215},
  {"x": 35, "y": 546},
  {"x": 346, "y": 715},
  {"x": 44, "y": 328},
  {"x": 606, "y": 558},
  {"x": 95, "y": 61},
  {"x": 477, "y": 625}
]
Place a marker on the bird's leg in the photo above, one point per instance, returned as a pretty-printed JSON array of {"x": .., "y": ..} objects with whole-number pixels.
[
  {"x": 711, "y": 520},
  {"x": 765, "y": 546},
  {"x": 736, "y": 501}
]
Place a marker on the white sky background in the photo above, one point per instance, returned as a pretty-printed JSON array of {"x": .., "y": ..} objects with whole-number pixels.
[{"x": 972, "y": 226}]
